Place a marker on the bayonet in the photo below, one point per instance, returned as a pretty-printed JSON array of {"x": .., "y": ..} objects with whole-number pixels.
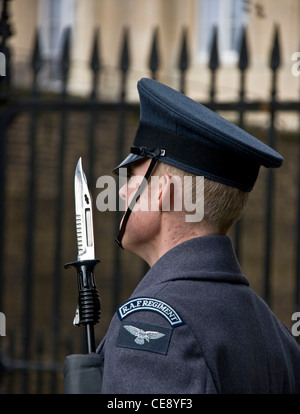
[
  {"x": 84, "y": 216},
  {"x": 88, "y": 308}
]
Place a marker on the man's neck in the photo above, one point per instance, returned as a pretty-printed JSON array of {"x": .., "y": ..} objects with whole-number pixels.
[{"x": 172, "y": 233}]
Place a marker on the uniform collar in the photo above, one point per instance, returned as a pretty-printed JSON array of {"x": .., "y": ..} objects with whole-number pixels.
[{"x": 202, "y": 258}]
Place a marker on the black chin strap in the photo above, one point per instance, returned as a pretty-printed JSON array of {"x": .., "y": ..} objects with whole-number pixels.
[{"x": 157, "y": 154}]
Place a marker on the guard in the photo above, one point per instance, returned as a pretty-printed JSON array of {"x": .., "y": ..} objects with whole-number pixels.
[{"x": 193, "y": 325}]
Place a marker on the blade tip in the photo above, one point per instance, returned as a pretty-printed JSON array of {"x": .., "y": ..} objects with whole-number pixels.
[{"x": 79, "y": 164}]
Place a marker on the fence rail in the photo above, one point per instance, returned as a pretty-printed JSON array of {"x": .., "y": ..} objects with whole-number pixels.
[{"x": 41, "y": 134}]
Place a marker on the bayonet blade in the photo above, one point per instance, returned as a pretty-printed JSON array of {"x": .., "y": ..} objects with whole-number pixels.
[{"x": 84, "y": 216}]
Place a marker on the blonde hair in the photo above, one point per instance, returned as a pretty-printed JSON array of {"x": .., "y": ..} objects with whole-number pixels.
[{"x": 223, "y": 204}]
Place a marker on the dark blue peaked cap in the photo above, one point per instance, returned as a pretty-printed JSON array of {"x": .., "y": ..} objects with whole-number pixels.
[{"x": 196, "y": 139}]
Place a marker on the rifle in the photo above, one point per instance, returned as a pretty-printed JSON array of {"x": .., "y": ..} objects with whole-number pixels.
[{"x": 83, "y": 373}]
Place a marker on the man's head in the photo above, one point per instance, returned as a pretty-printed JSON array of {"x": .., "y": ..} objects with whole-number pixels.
[
  {"x": 177, "y": 132},
  {"x": 222, "y": 204}
]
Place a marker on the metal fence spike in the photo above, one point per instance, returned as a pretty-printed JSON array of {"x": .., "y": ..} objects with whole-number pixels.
[
  {"x": 183, "y": 63},
  {"x": 154, "y": 53},
  {"x": 36, "y": 60},
  {"x": 95, "y": 62},
  {"x": 125, "y": 59},
  {"x": 65, "y": 55},
  {"x": 275, "y": 58},
  {"x": 5, "y": 26},
  {"x": 244, "y": 55},
  {"x": 214, "y": 53}
]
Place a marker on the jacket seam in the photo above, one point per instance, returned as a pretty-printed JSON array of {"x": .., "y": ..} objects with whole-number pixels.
[
  {"x": 261, "y": 336},
  {"x": 196, "y": 340}
]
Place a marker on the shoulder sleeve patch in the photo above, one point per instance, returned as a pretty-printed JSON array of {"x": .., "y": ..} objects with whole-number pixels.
[
  {"x": 150, "y": 304},
  {"x": 144, "y": 337}
]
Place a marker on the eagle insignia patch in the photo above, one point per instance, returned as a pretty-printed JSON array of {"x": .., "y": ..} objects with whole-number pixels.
[{"x": 144, "y": 336}]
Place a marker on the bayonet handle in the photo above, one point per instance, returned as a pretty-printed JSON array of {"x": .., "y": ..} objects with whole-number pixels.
[{"x": 89, "y": 306}]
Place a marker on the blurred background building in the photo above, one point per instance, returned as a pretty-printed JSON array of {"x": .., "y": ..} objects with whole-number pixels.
[
  {"x": 70, "y": 91},
  {"x": 169, "y": 17}
]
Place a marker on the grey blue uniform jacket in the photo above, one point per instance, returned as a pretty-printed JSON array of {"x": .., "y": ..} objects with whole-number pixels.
[{"x": 193, "y": 325}]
